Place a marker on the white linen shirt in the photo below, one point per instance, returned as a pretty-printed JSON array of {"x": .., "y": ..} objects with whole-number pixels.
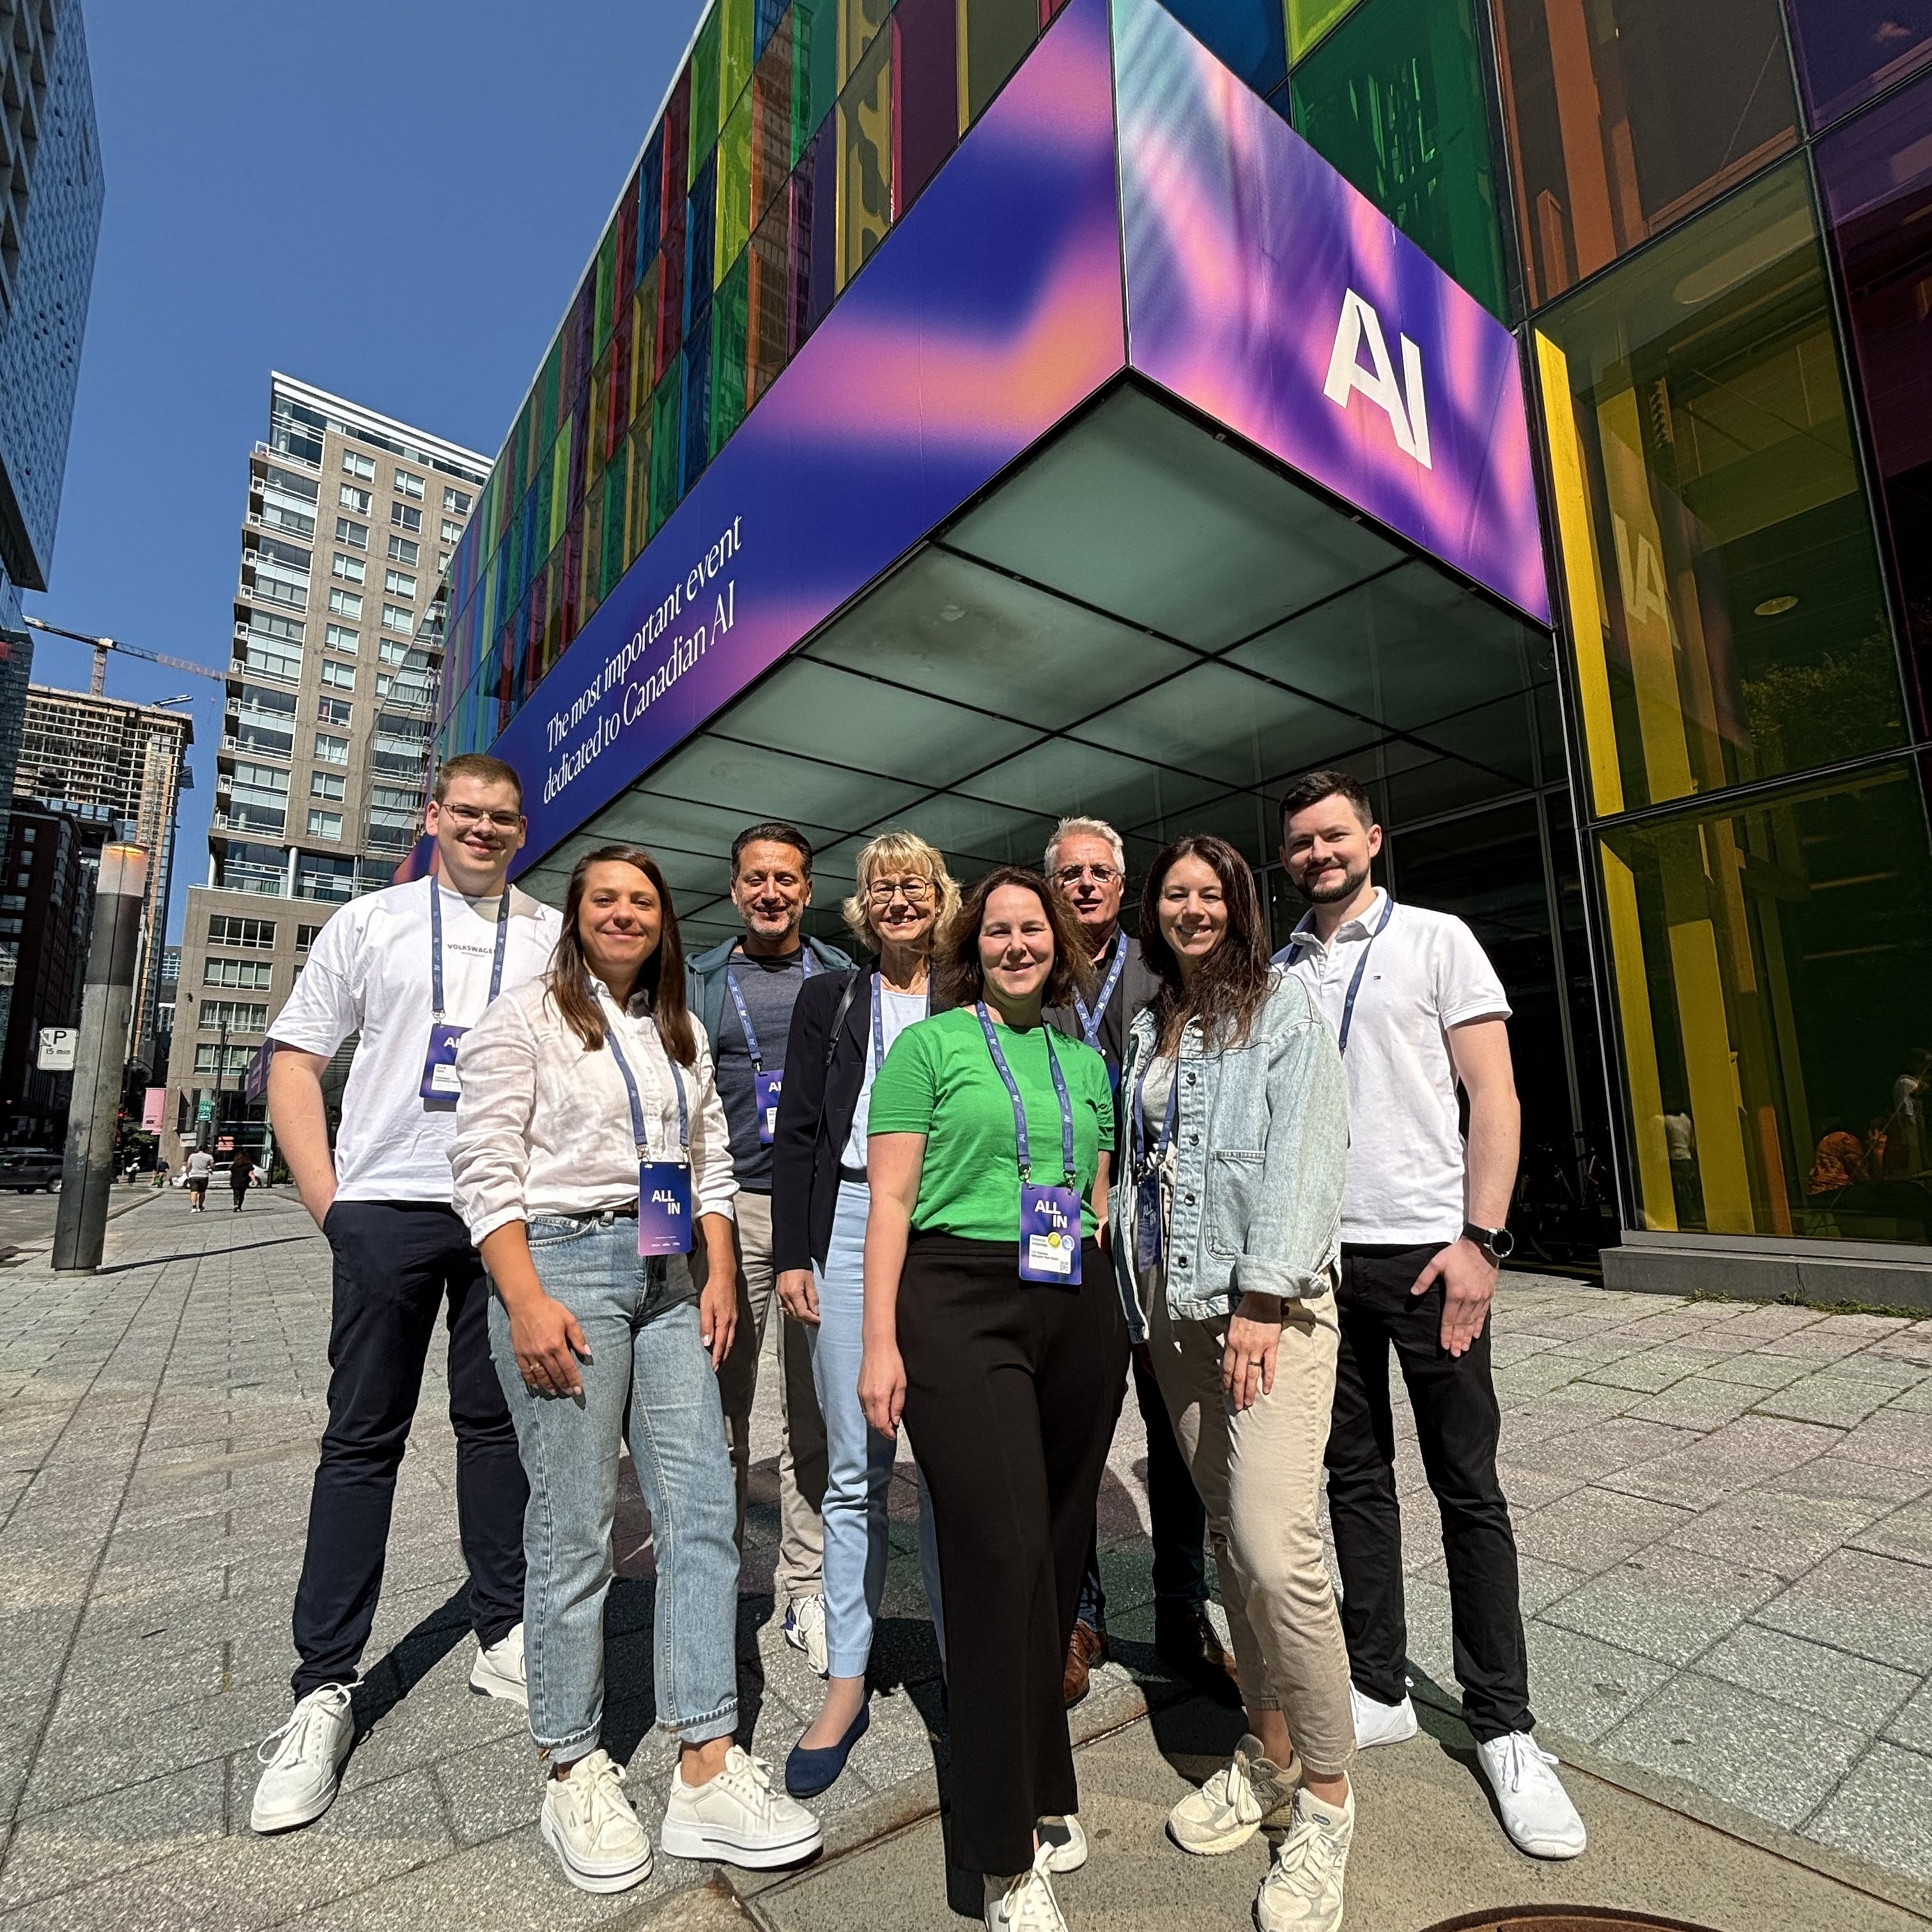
[
  {"x": 369, "y": 970},
  {"x": 544, "y": 1127},
  {"x": 1407, "y": 1181}
]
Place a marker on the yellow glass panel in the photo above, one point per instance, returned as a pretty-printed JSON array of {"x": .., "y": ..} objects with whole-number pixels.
[
  {"x": 865, "y": 160},
  {"x": 1308, "y": 20},
  {"x": 559, "y": 483},
  {"x": 860, "y": 22}
]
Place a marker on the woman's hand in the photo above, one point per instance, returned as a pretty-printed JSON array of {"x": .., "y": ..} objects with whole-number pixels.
[
  {"x": 799, "y": 1292},
  {"x": 882, "y": 1385},
  {"x": 1247, "y": 1356},
  {"x": 549, "y": 1344},
  {"x": 718, "y": 1299}
]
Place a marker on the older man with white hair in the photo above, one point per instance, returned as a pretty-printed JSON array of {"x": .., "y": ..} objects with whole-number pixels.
[{"x": 1087, "y": 865}]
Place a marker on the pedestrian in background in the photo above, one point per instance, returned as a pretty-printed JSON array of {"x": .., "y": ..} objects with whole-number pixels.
[
  {"x": 742, "y": 992},
  {"x": 200, "y": 1172},
  {"x": 592, "y": 1167},
  {"x": 843, "y": 1027},
  {"x": 1417, "y": 1010},
  {"x": 1225, "y": 1237},
  {"x": 992, "y": 1326},
  {"x": 408, "y": 968},
  {"x": 241, "y": 1171},
  {"x": 1086, "y": 864}
]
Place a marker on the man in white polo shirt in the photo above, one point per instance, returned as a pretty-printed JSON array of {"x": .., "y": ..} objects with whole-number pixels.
[
  {"x": 1418, "y": 1009},
  {"x": 409, "y": 969}
]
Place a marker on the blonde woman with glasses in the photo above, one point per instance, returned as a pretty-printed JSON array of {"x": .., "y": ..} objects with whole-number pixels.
[{"x": 842, "y": 1028}]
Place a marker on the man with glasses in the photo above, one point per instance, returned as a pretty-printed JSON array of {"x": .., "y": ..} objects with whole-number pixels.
[
  {"x": 409, "y": 969},
  {"x": 742, "y": 992},
  {"x": 1086, "y": 866}
]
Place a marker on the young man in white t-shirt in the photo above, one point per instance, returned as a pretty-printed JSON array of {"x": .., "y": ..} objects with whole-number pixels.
[
  {"x": 408, "y": 969},
  {"x": 1418, "y": 1010}
]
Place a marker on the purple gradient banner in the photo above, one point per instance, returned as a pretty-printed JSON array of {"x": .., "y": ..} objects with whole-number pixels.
[
  {"x": 989, "y": 311},
  {"x": 1266, "y": 291}
]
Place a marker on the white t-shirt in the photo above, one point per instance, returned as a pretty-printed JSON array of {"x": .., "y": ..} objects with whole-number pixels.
[
  {"x": 897, "y": 1011},
  {"x": 1406, "y": 1181},
  {"x": 370, "y": 969}
]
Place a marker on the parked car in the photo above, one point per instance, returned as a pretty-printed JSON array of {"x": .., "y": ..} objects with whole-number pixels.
[{"x": 27, "y": 1170}]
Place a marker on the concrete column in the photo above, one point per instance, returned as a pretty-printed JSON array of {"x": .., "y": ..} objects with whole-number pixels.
[{"x": 87, "y": 1176}]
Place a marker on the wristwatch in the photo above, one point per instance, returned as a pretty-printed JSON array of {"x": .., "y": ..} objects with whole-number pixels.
[{"x": 1498, "y": 1243}]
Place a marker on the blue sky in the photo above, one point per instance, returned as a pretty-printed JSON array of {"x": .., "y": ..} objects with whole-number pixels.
[{"x": 392, "y": 199}]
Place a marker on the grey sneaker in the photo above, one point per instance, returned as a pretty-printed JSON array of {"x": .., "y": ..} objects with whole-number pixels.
[
  {"x": 588, "y": 1822},
  {"x": 1303, "y": 1890},
  {"x": 1250, "y": 1791},
  {"x": 302, "y": 1761}
]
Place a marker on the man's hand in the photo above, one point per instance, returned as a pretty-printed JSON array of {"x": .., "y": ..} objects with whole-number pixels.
[
  {"x": 1248, "y": 1354},
  {"x": 1469, "y": 1279},
  {"x": 549, "y": 1344},
  {"x": 799, "y": 1292}
]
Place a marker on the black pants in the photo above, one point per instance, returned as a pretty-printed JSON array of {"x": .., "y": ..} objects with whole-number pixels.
[
  {"x": 1457, "y": 1425},
  {"x": 1012, "y": 1390},
  {"x": 1177, "y": 1522},
  {"x": 397, "y": 1265}
]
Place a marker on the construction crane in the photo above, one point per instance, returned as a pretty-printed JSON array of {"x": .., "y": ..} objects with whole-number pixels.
[{"x": 97, "y": 684}]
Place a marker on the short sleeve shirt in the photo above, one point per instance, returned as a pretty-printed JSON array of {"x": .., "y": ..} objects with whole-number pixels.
[
  {"x": 939, "y": 1080},
  {"x": 1427, "y": 973},
  {"x": 369, "y": 970}
]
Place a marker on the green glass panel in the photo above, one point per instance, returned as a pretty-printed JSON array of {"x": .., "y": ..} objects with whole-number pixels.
[
  {"x": 734, "y": 51},
  {"x": 1308, "y": 20},
  {"x": 1727, "y": 619},
  {"x": 637, "y": 515},
  {"x": 553, "y": 363},
  {"x": 667, "y": 446},
  {"x": 728, "y": 315},
  {"x": 1393, "y": 100},
  {"x": 607, "y": 276},
  {"x": 732, "y": 225},
  {"x": 814, "y": 69},
  {"x": 559, "y": 494},
  {"x": 703, "y": 94},
  {"x": 994, "y": 37},
  {"x": 616, "y": 482}
]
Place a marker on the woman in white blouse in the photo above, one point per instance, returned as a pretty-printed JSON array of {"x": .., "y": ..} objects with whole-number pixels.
[{"x": 593, "y": 1170}]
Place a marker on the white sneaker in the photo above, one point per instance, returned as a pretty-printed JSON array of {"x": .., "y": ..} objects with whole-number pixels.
[
  {"x": 1025, "y": 1903},
  {"x": 738, "y": 1818},
  {"x": 303, "y": 1761},
  {"x": 588, "y": 1822},
  {"x": 1248, "y": 1792},
  {"x": 498, "y": 1672},
  {"x": 805, "y": 1630},
  {"x": 1064, "y": 1842},
  {"x": 1303, "y": 1890},
  {"x": 1537, "y": 1811},
  {"x": 1379, "y": 1723}
]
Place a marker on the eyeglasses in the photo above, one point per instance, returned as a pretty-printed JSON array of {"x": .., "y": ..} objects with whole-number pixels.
[
  {"x": 468, "y": 815},
  {"x": 914, "y": 892},
  {"x": 1070, "y": 876}
]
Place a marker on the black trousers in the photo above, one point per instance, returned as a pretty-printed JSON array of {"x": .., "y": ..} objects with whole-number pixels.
[
  {"x": 1457, "y": 1424},
  {"x": 1177, "y": 1522},
  {"x": 399, "y": 1265},
  {"x": 1012, "y": 1390}
]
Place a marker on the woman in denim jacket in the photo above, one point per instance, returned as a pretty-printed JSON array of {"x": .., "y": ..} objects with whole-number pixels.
[{"x": 1225, "y": 1232}]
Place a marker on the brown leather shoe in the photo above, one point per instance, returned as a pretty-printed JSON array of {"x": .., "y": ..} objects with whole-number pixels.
[
  {"x": 1185, "y": 1644},
  {"x": 1086, "y": 1647}
]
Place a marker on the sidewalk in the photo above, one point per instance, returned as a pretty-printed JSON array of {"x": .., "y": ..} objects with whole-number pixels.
[{"x": 1725, "y": 1513}]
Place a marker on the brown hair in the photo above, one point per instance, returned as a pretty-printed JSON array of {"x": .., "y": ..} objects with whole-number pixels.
[
  {"x": 1233, "y": 981},
  {"x": 1311, "y": 788},
  {"x": 479, "y": 766},
  {"x": 957, "y": 979},
  {"x": 660, "y": 979}
]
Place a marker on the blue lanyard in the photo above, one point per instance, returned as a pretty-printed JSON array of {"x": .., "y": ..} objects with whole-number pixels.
[
  {"x": 1137, "y": 1126},
  {"x": 1361, "y": 966},
  {"x": 435, "y": 945},
  {"x": 1090, "y": 1022},
  {"x": 878, "y": 1020},
  {"x": 638, "y": 1133},
  {"x": 745, "y": 1017},
  {"x": 1019, "y": 1106}
]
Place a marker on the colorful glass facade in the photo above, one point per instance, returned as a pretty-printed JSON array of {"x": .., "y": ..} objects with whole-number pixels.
[{"x": 1702, "y": 223}]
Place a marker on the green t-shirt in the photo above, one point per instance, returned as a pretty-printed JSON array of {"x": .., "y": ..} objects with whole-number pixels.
[{"x": 940, "y": 1080}]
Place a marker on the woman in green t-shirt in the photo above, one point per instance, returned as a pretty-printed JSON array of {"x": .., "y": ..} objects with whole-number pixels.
[{"x": 992, "y": 1323}]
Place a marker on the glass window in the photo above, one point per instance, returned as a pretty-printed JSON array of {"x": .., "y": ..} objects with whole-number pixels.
[
  {"x": 341, "y": 676},
  {"x": 325, "y": 824},
  {"x": 353, "y": 499},
  {"x": 395, "y": 618},
  {"x": 1624, "y": 116},
  {"x": 345, "y": 603},
  {"x": 1727, "y": 612},
  {"x": 252, "y": 975},
  {"x": 1849, "y": 50},
  {"x": 703, "y": 69},
  {"x": 733, "y": 225},
  {"x": 456, "y": 500},
  {"x": 332, "y": 711},
  {"x": 1876, "y": 175},
  {"x": 1308, "y": 20},
  {"x": 331, "y": 750},
  {"x": 355, "y": 464},
  {"x": 1393, "y": 100},
  {"x": 224, "y": 930},
  {"x": 1771, "y": 969},
  {"x": 402, "y": 550},
  {"x": 327, "y": 784},
  {"x": 351, "y": 567},
  {"x": 451, "y": 533},
  {"x": 405, "y": 517},
  {"x": 409, "y": 485},
  {"x": 865, "y": 159},
  {"x": 399, "y": 583},
  {"x": 356, "y": 535},
  {"x": 996, "y": 36},
  {"x": 926, "y": 104}
]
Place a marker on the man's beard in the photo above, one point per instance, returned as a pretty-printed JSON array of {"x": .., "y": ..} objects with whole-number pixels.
[{"x": 1330, "y": 889}]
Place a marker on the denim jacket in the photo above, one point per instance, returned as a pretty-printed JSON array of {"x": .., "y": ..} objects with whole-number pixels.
[{"x": 1260, "y": 1144}]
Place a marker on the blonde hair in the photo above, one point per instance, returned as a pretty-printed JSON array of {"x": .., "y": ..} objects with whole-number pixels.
[{"x": 906, "y": 852}]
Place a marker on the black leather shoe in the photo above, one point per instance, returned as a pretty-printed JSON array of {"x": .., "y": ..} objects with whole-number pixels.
[{"x": 1186, "y": 1646}]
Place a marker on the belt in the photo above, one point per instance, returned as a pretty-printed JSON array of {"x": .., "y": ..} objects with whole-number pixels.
[
  {"x": 857, "y": 1173},
  {"x": 628, "y": 1212}
]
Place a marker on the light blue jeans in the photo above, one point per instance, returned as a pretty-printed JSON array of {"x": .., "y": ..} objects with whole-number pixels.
[
  {"x": 649, "y": 1375},
  {"x": 859, "y": 1459}
]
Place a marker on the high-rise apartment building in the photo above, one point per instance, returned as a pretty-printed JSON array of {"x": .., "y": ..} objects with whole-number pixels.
[
  {"x": 45, "y": 909},
  {"x": 350, "y": 520}
]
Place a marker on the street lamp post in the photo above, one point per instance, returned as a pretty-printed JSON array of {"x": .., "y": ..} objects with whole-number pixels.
[{"x": 207, "y": 1133}]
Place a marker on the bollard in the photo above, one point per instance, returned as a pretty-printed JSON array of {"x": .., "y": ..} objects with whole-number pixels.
[{"x": 87, "y": 1173}]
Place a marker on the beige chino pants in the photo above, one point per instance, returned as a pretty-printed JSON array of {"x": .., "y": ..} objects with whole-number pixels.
[{"x": 1259, "y": 1476}]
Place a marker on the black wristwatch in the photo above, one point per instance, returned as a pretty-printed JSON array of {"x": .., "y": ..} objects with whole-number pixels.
[{"x": 1498, "y": 1243}]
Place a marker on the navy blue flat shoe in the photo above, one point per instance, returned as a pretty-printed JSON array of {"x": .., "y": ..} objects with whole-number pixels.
[{"x": 809, "y": 1772}]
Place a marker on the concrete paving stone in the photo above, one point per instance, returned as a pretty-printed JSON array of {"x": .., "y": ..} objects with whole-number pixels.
[
  {"x": 1536, "y": 1375},
  {"x": 1851, "y": 1693},
  {"x": 1913, "y": 1344},
  {"x": 1529, "y": 1485},
  {"x": 1752, "y": 1370},
  {"x": 1819, "y": 1342},
  {"x": 1653, "y": 1369},
  {"x": 119, "y": 1681},
  {"x": 1591, "y": 1528},
  {"x": 1699, "y": 1403},
  {"x": 1873, "y": 1606},
  {"x": 1916, "y": 1400},
  {"x": 494, "y": 1788},
  {"x": 1906, "y": 1534},
  {"x": 1870, "y": 1366},
  {"x": 1598, "y": 1450},
  {"x": 133, "y": 1603},
  {"x": 1580, "y": 1685},
  {"x": 1830, "y": 1397},
  {"x": 1911, "y": 1724},
  {"x": 1666, "y": 1603},
  {"x": 1775, "y": 1761},
  {"x": 1893, "y": 1437},
  {"x": 57, "y": 1850},
  {"x": 1774, "y": 1530},
  {"x": 1882, "y": 1812},
  {"x": 1750, "y": 1450},
  {"x": 1838, "y": 1476}
]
